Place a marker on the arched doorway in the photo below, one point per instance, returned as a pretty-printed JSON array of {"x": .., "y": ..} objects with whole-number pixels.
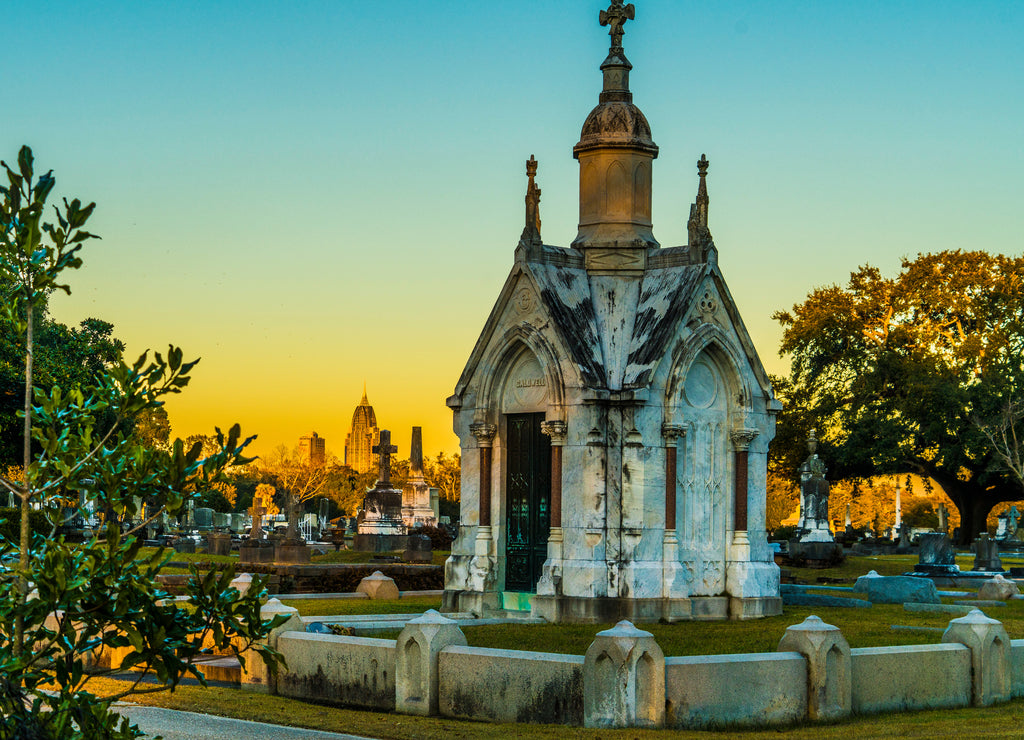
[{"x": 527, "y": 474}]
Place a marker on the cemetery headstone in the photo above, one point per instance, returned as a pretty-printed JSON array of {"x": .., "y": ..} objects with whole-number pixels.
[
  {"x": 419, "y": 549},
  {"x": 936, "y": 555},
  {"x": 902, "y": 590},
  {"x": 203, "y": 518},
  {"x": 986, "y": 555}
]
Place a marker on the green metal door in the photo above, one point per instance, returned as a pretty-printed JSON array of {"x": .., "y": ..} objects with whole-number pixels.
[{"x": 528, "y": 498}]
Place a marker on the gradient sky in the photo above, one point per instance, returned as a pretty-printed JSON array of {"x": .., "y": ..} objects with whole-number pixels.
[{"x": 313, "y": 194}]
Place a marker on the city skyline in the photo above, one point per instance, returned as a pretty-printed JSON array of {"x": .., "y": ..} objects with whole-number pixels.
[{"x": 316, "y": 195}]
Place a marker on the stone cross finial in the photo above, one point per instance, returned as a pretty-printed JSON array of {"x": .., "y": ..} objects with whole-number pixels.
[
  {"x": 616, "y": 17},
  {"x": 697, "y": 226},
  {"x": 384, "y": 450},
  {"x": 531, "y": 232}
]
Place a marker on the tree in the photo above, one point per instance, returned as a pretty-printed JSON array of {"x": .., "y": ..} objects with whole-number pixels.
[
  {"x": 445, "y": 473},
  {"x": 95, "y": 596},
  {"x": 894, "y": 372}
]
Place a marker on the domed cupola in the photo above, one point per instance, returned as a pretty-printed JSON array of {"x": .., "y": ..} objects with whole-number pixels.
[{"x": 615, "y": 153}]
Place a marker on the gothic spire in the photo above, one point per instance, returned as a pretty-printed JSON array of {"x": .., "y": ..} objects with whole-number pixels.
[
  {"x": 531, "y": 233},
  {"x": 697, "y": 226}
]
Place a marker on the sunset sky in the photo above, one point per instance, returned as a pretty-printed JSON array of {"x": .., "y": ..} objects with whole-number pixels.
[{"x": 310, "y": 195}]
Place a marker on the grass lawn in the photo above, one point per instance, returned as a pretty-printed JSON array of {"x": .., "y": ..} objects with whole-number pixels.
[{"x": 1002, "y": 721}]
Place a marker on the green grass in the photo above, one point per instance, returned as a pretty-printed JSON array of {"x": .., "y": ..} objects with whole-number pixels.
[{"x": 331, "y": 607}]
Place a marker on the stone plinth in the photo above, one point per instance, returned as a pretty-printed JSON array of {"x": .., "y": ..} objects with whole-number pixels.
[
  {"x": 292, "y": 551},
  {"x": 418, "y": 647},
  {"x": 990, "y": 655},
  {"x": 218, "y": 543},
  {"x": 624, "y": 679},
  {"x": 986, "y": 555},
  {"x": 829, "y": 680},
  {"x": 418, "y": 549},
  {"x": 256, "y": 551}
]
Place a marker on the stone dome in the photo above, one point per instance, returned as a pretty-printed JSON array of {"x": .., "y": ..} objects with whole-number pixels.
[{"x": 616, "y": 122}]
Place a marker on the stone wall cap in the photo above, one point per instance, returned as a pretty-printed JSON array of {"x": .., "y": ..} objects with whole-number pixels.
[
  {"x": 274, "y": 606},
  {"x": 625, "y": 628},
  {"x": 813, "y": 623},
  {"x": 432, "y": 616},
  {"x": 975, "y": 617}
]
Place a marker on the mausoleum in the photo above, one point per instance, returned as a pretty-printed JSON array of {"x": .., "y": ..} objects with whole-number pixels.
[{"x": 614, "y": 417}]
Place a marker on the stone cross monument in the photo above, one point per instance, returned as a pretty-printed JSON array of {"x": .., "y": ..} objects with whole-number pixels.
[
  {"x": 379, "y": 527},
  {"x": 384, "y": 451},
  {"x": 615, "y": 17}
]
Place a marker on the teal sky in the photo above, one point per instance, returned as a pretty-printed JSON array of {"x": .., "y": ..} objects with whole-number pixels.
[{"x": 313, "y": 194}]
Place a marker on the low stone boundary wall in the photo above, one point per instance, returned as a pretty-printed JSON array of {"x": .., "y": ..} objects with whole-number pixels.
[
  {"x": 754, "y": 689},
  {"x": 504, "y": 686},
  {"x": 355, "y": 671},
  {"x": 625, "y": 680},
  {"x": 892, "y": 679}
]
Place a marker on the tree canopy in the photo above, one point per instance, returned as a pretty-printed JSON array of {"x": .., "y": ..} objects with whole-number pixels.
[{"x": 905, "y": 374}]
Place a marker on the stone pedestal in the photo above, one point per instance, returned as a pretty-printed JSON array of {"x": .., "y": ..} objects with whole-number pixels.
[
  {"x": 218, "y": 543},
  {"x": 986, "y": 555},
  {"x": 416, "y": 675},
  {"x": 418, "y": 549},
  {"x": 255, "y": 676},
  {"x": 990, "y": 655},
  {"x": 624, "y": 679},
  {"x": 292, "y": 551},
  {"x": 829, "y": 676},
  {"x": 380, "y": 527},
  {"x": 256, "y": 551}
]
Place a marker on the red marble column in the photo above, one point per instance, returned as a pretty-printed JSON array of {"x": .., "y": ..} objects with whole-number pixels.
[
  {"x": 671, "y": 433},
  {"x": 484, "y": 434},
  {"x": 741, "y": 439},
  {"x": 557, "y": 431}
]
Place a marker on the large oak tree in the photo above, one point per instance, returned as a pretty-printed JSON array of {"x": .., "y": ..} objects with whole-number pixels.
[{"x": 905, "y": 374}]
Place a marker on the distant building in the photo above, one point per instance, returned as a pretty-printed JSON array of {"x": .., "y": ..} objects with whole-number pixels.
[
  {"x": 312, "y": 450},
  {"x": 361, "y": 438}
]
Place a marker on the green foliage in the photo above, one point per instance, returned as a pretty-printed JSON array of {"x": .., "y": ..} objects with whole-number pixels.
[
  {"x": 10, "y": 523},
  {"x": 96, "y": 606},
  {"x": 895, "y": 373}
]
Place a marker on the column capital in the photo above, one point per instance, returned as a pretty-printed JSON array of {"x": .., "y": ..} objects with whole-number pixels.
[
  {"x": 741, "y": 438},
  {"x": 672, "y": 432},
  {"x": 483, "y": 432},
  {"x": 555, "y": 429}
]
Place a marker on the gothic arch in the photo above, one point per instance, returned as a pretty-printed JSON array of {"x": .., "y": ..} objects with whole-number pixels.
[
  {"x": 709, "y": 340},
  {"x": 504, "y": 357}
]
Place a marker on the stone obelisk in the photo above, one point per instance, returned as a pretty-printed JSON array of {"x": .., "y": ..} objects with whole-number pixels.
[{"x": 416, "y": 511}]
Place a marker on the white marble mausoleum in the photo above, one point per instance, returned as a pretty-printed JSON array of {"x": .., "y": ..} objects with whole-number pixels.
[{"x": 614, "y": 417}]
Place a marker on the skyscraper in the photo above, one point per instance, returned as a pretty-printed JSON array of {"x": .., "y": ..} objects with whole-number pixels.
[{"x": 361, "y": 438}]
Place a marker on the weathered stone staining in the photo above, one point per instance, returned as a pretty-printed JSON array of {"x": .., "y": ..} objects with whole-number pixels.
[{"x": 614, "y": 416}]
